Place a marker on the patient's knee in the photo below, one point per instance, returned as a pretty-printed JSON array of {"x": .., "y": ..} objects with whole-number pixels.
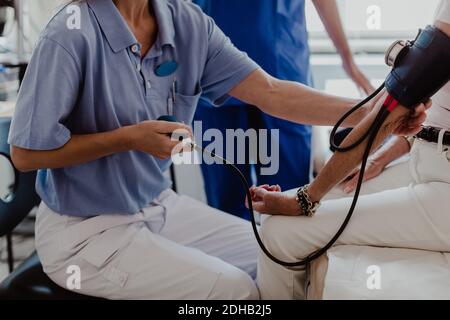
[{"x": 276, "y": 236}]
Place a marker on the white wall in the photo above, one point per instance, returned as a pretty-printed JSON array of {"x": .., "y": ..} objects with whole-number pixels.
[{"x": 40, "y": 12}]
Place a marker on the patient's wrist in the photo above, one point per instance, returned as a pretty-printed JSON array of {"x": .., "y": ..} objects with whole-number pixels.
[
  {"x": 313, "y": 193},
  {"x": 381, "y": 161},
  {"x": 307, "y": 204},
  {"x": 294, "y": 208}
]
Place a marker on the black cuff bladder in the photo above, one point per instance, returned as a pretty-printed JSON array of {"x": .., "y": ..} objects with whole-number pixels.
[{"x": 421, "y": 69}]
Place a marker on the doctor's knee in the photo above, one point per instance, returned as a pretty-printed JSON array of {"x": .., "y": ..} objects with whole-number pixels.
[{"x": 234, "y": 285}]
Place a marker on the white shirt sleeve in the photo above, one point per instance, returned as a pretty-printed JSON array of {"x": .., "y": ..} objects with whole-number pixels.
[
  {"x": 443, "y": 11},
  {"x": 439, "y": 114}
]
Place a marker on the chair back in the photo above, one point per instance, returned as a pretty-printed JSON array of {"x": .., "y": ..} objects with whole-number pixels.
[{"x": 25, "y": 197}]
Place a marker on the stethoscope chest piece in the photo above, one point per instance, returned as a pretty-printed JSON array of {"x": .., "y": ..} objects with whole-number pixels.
[{"x": 166, "y": 68}]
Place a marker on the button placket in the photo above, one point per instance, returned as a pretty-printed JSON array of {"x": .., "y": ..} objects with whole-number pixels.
[
  {"x": 138, "y": 63},
  {"x": 135, "y": 48},
  {"x": 147, "y": 83}
]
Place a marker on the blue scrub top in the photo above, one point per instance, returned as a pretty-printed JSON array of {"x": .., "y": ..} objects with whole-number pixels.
[
  {"x": 272, "y": 32},
  {"x": 92, "y": 79}
]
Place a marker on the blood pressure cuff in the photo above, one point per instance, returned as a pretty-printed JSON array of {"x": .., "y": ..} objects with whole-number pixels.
[{"x": 421, "y": 69}]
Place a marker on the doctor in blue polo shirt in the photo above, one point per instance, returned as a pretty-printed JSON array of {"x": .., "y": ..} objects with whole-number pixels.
[
  {"x": 273, "y": 33},
  {"x": 101, "y": 76}
]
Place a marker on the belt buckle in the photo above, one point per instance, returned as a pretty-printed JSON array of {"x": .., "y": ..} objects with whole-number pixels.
[{"x": 424, "y": 133}]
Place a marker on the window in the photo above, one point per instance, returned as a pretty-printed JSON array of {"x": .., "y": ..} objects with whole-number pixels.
[{"x": 371, "y": 25}]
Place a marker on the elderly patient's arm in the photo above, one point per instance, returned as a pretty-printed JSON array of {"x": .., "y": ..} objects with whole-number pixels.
[
  {"x": 265, "y": 200},
  {"x": 342, "y": 163},
  {"x": 394, "y": 149},
  {"x": 391, "y": 151},
  {"x": 268, "y": 199}
]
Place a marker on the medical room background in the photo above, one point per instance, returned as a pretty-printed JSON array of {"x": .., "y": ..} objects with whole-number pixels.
[{"x": 370, "y": 25}]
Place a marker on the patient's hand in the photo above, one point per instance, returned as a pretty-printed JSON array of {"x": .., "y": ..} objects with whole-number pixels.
[{"x": 270, "y": 200}]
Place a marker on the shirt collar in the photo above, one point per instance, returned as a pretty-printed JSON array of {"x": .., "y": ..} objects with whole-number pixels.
[
  {"x": 116, "y": 30},
  {"x": 165, "y": 21}
]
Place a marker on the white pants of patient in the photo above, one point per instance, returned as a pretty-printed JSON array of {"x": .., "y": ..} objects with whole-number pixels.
[
  {"x": 408, "y": 206},
  {"x": 176, "y": 248}
]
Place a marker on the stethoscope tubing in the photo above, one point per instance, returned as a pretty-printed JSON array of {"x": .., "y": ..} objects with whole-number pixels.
[{"x": 371, "y": 134}]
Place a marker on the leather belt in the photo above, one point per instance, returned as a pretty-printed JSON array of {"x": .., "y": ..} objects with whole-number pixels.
[{"x": 431, "y": 134}]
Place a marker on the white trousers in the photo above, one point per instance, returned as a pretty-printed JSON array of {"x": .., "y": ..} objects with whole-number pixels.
[
  {"x": 176, "y": 248},
  {"x": 408, "y": 206}
]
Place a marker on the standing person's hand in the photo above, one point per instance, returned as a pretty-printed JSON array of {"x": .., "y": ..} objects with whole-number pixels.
[
  {"x": 358, "y": 76},
  {"x": 329, "y": 14}
]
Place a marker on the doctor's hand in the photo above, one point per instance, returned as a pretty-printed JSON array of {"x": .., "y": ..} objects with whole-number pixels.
[
  {"x": 157, "y": 138},
  {"x": 270, "y": 200}
]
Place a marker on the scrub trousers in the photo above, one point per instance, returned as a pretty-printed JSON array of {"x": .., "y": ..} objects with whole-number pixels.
[
  {"x": 408, "y": 206},
  {"x": 223, "y": 188},
  {"x": 175, "y": 248}
]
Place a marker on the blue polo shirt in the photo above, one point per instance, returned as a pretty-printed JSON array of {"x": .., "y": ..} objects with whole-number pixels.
[{"x": 92, "y": 79}]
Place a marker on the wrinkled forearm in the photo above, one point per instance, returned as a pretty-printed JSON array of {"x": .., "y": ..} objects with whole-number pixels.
[
  {"x": 391, "y": 151},
  {"x": 341, "y": 164}
]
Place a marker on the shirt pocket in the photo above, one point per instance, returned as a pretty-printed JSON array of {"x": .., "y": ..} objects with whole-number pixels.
[
  {"x": 97, "y": 239},
  {"x": 185, "y": 106},
  {"x": 104, "y": 252}
]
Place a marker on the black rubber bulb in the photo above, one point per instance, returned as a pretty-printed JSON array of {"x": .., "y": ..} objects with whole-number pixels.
[
  {"x": 167, "y": 118},
  {"x": 170, "y": 119}
]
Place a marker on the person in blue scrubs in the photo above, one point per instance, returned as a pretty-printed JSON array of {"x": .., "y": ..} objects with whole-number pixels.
[
  {"x": 273, "y": 33},
  {"x": 87, "y": 119}
]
